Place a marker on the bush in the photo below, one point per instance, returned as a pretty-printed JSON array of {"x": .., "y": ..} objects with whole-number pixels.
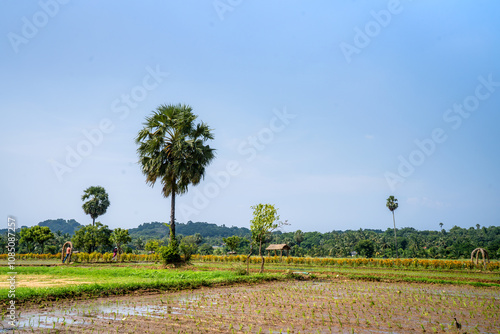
[
  {"x": 240, "y": 270},
  {"x": 170, "y": 254}
]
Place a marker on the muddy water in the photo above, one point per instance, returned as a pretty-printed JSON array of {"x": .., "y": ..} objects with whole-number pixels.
[{"x": 293, "y": 307}]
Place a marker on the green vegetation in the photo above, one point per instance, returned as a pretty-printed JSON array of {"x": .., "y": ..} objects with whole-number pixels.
[
  {"x": 365, "y": 248},
  {"x": 35, "y": 234},
  {"x": 265, "y": 220},
  {"x": 232, "y": 242},
  {"x": 117, "y": 280},
  {"x": 92, "y": 238},
  {"x": 455, "y": 243},
  {"x": 97, "y": 202},
  {"x": 64, "y": 226},
  {"x": 170, "y": 253},
  {"x": 120, "y": 237}
]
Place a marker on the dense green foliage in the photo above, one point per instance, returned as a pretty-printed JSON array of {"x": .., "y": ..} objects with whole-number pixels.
[
  {"x": 170, "y": 253},
  {"x": 64, "y": 226},
  {"x": 232, "y": 242},
  {"x": 35, "y": 235},
  {"x": 453, "y": 244},
  {"x": 157, "y": 230},
  {"x": 449, "y": 244},
  {"x": 92, "y": 238}
]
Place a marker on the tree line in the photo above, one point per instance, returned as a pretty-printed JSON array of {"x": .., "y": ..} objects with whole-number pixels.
[{"x": 454, "y": 243}]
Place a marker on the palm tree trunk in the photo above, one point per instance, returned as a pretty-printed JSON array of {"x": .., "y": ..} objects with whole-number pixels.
[
  {"x": 93, "y": 221},
  {"x": 172, "y": 215},
  {"x": 395, "y": 237}
]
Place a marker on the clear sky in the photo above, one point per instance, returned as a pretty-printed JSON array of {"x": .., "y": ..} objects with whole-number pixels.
[{"x": 323, "y": 108}]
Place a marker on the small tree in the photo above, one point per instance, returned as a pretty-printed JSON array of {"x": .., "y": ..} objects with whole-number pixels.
[
  {"x": 232, "y": 242},
  {"x": 120, "y": 237},
  {"x": 365, "y": 248},
  {"x": 97, "y": 204},
  {"x": 170, "y": 254},
  {"x": 152, "y": 245},
  {"x": 92, "y": 237},
  {"x": 392, "y": 205},
  {"x": 41, "y": 234},
  {"x": 265, "y": 221},
  {"x": 188, "y": 247},
  {"x": 27, "y": 238}
]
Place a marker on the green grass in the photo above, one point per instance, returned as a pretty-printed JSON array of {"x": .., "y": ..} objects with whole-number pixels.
[
  {"x": 108, "y": 281},
  {"x": 397, "y": 272}
]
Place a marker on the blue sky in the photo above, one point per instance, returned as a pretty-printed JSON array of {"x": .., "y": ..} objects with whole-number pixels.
[{"x": 322, "y": 108}]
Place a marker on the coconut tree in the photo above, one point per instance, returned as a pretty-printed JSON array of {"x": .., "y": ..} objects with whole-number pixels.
[
  {"x": 392, "y": 205},
  {"x": 97, "y": 202},
  {"x": 172, "y": 150}
]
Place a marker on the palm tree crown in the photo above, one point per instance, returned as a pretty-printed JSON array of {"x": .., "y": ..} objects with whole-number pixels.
[
  {"x": 98, "y": 202},
  {"x": 392, "y": 203},
  {"x": 172, "y": 149}
]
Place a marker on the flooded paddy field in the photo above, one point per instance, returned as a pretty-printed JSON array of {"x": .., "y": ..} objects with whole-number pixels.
[{"x": 329, "y": 306}]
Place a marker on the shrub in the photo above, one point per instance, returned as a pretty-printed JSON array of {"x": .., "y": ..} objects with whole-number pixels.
[{"x": 170, "y": 254}]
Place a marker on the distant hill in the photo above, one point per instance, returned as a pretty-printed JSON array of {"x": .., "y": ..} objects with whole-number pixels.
[
  {"x": 154, "y": 230},
  {"x": 157, "y": 230},
  {"x": 65, "y": 226}
]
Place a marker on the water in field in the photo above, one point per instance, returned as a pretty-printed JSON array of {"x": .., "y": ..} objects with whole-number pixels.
[
  {"x": 292, "y": 306},
  {"x": 114, "y": 309}
]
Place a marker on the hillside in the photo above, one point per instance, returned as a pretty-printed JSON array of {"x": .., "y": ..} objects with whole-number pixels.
[
  {"x": 157, "y": 230},
  {"x": 65, "y": 226}
]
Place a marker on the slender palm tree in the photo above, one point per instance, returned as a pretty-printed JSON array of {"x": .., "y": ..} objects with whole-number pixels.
[
  {"x": 392, "y": 204},
  {"x": 97, "y": 204},
  {"x": 172, "y": 150}
]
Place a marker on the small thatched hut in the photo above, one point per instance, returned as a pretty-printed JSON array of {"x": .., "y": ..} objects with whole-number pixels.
[{"x": 276, "y": 247}]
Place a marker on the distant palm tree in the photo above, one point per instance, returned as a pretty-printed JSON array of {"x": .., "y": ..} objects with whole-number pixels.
[
  {"x": 172, "y": 149},
  {"x": 97, "y": 204},
  {"x": 392, "y": 204},
  {"x": 441, "y": 226}
]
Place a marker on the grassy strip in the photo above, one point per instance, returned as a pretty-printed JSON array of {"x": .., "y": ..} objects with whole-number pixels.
[
  {"x": 175, "y": 282},
  {"x": 418, "y": 280}
]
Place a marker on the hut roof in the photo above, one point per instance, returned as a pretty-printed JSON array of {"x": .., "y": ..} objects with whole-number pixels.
[{"x": 278, "y": 247}]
